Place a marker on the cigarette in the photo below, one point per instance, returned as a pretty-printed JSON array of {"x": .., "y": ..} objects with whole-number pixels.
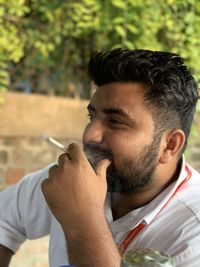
[{"x": 55, "y": 143}]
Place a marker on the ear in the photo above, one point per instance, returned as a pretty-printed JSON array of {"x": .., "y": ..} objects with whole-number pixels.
[{"x": 171, "y": 145}]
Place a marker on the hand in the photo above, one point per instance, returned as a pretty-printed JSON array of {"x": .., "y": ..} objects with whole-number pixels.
[{"x": 74, "y": 190}]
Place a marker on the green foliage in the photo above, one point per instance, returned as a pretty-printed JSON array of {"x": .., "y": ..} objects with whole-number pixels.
[
  {"x": 11, "y": 45},
  {"x": 4, "y": 80},
  {"x": 48, "y": 43}
]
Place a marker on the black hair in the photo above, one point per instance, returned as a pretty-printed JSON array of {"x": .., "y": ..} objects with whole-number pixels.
[{"x": 170, "y": 89}]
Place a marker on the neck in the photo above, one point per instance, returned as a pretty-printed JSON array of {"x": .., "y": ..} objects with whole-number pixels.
[{"x": 124, "y": 203}]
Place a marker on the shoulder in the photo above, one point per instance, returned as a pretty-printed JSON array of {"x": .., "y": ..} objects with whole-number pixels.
[
  {"x": 189, "y": 196},
  {"x": 29, "y": 187},
  {"x": 192, "y": 186},
  {"x": 36, "y": 177}
]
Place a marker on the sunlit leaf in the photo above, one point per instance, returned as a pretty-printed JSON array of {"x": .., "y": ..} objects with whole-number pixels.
[
  {"x": 120, "y": 30},
  {"x": 119, "y": 4}
]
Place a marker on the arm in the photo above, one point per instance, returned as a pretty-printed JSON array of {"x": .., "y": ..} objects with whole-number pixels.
[
  {"x": 90, "y": 242},
  {"x": 76, "y": 195},
  {"x": 16, "y": 221},
  {"x": 5, "y": 256}
]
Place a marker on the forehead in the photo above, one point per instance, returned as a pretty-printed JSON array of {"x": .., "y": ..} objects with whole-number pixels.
[{"x": 126, "y": 96}]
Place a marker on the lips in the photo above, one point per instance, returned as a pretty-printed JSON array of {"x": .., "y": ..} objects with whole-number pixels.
[
  {"x": 95, "y": 154},
  {"x": 94, "y": 158}
]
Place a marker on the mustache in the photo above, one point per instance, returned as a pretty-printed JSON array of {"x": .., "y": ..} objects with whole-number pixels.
[
  {"x": 94, "y": 152},
  {"x": 92, "y": 149}
]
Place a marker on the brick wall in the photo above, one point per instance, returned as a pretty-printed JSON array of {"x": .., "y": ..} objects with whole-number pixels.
[
  {"x": 21, "y": 155},
  {"x": 25, "y": 118}
]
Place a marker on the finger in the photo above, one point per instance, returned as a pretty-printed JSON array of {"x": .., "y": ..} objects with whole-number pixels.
[
  {"x": 52, "y": 171},
  {"x": 63, "y": 159},
  {"x": 102, "y": 167},
  {"x": 75, "y": 152}
]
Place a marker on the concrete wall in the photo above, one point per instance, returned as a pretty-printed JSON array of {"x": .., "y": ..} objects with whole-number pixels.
[
  {"x": 34, "y": 115},
  {"x": 25, "y": 118}
]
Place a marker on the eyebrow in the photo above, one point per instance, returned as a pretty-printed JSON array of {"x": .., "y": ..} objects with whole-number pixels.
[{"x": 111, "y": 110}]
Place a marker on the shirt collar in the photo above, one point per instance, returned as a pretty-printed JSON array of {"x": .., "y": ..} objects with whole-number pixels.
[
  {"x": 148, "y": 212},
  {"x": 157, "y": 204}
]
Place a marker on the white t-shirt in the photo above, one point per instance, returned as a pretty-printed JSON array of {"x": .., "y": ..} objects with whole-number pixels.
[{"x": 172, "y": 222}]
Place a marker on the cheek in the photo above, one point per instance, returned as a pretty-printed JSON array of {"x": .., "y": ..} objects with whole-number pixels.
[
  {"x": 125, "y": 145},
  {"x": 122, "y": 146}
]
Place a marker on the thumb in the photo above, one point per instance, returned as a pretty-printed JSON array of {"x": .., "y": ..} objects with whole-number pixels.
[{"x": 102, "y": 167}]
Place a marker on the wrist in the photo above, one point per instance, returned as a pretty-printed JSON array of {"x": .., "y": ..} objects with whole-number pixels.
[{"x": 88, "y": 219}]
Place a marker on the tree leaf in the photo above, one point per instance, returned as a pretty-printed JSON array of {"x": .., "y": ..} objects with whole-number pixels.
[
  {"x": 120, "y": 30},
  {"x": 119, "y": 4}
]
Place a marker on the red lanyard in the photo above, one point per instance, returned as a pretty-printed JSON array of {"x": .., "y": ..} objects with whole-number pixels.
[{"x": 135, "y": 231}]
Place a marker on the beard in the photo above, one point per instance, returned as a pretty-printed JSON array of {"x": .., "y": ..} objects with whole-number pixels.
[{"x": 133, "y": 174}]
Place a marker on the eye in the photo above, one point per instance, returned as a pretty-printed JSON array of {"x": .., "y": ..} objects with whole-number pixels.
[{"x": 113, "y": 122}]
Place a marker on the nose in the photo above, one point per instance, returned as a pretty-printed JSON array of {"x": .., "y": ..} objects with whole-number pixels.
[{"x": 94, "y": 132}]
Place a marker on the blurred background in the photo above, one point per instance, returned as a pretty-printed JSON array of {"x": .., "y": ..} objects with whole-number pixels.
[{"x": 44, "y": 87}]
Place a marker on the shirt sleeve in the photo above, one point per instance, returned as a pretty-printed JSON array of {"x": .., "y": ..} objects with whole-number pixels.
[{"x": 23, "y": 211}]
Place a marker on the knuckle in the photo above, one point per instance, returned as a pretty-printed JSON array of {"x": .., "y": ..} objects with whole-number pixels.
[
  {"x": 61, "y": 157},
  {"x": 52, "y": 169},
  {"x": 72, "y": 146},
  {"x": 44, "y": 185}
]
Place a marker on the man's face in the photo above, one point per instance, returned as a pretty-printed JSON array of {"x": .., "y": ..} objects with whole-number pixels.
[{"x": 121, "y": 128}]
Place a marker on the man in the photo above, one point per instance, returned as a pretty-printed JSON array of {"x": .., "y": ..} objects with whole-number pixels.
[{"x": 131, "y": 187}]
